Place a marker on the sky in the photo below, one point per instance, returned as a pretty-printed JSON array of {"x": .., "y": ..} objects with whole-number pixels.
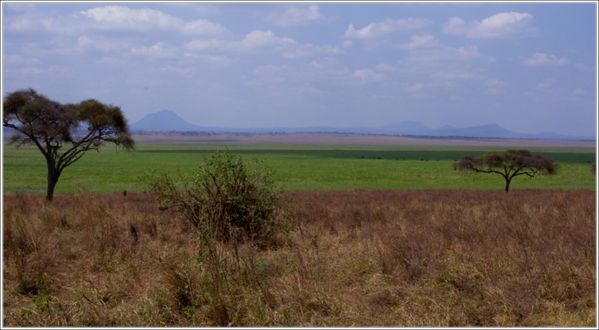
[{"x": 527, "y": 67}]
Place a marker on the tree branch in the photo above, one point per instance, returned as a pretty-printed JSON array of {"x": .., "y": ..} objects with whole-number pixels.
[
  {"x": 30, "y": 136},
  {"x": 478, "y": 170},
  {"x": 530, "y": 174},
  {"x": 72, "y": 159},
  {"x": 75, "y": 150}
]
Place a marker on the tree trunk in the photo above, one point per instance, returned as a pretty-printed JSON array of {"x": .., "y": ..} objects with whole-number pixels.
[
  {"x": 507, "y": 184},
  {"x": 50, "y": 190},
  {"x": 53, "y": 176},
  {"x": 52, "y": 180}
]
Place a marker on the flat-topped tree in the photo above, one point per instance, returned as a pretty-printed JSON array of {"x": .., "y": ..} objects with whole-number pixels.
[
  {"x": 509, "y": 164},
  {"x": 63, "y": 132}
]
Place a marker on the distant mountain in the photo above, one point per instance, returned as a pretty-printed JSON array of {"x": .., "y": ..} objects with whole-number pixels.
[
  {"x": 490, "y": 130},
  {"x": 170, "y": 121},
  {"x": 164, "y": 121},
  {"x": 496, "y": 131},
  {"x": 413, "y": 128},
  {"x": 405, "y": 128}
]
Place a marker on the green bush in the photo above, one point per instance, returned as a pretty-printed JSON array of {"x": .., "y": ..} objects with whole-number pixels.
[{"x": 225, "y": 199}]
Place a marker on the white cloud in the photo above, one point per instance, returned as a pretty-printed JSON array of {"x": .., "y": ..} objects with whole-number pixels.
[
  {"x": 215, "y": 61},
  {"x": 543, "y": 59},
  {"x": 500, "y": 25},
  {"x": 87, "y": 43},
  {"x": 113, "y": 18},
  {"x": 20, "y": 24},
  {"x": 420, "y": 41},
  {"x": 197, "y": 8},
  {"x": 210, "y": 44},
  {"x": 120, "y": 17},
  {"x": 295, "y": 15},
  {"x": 158, "y": 49},
  {"x": 258, "y": 40},
  {"x": 202, "y": 26},
  {"x": 456, "y": 26},
  {"x": 323, "y": 63},
  {"x": 463, "y": 53},
  {"x": 544, "y": 85},
  {"x": 307, "y": 50},
  {"x": 268, "y": 70},
  {"x": 52, "y": 25},
  {"x": 375, "y": 30},
  {"x": 378, "y": 73},
  {"x": 444, "y": 53},
  {"x": 367, "y": 75},
  {"x": 552, "y": 90}
]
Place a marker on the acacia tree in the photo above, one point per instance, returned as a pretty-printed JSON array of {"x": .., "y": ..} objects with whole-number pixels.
[
  {"x": 509, "y": 164},
  {"x": 62, "y": 132}
]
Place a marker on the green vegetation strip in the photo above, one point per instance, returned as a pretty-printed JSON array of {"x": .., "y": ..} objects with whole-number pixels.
[{"x": 294, "y": 168}]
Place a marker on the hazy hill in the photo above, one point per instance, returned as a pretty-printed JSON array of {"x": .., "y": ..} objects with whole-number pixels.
[
  {"x": 164, "y": 121},
  {"x": 169, "y": 121}
]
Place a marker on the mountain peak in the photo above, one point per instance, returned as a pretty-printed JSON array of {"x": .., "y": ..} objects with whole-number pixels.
[
  {"x": 165, "y": 112},
  {"x": 491, "y": 126},
  {"x": 164, "y": 120}
]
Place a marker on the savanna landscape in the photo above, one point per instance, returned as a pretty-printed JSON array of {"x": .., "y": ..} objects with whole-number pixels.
[
  {"x": 387, "y": 236},
  {"x": 354, "y": 170}
]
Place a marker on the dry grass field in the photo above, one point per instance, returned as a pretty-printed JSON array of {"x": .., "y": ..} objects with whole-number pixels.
[{"x": 352, "y": 258}]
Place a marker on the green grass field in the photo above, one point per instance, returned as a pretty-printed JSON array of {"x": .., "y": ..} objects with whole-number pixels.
[{"x": 294, "y": 168}]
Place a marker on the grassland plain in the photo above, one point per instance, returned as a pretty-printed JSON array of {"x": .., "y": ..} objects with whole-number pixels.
[
  {"x": 350, "y": 258},
  {"x": 294, "y": 167}
]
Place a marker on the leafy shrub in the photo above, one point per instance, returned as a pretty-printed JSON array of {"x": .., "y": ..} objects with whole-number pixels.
[{"x": 225, "y": 199}]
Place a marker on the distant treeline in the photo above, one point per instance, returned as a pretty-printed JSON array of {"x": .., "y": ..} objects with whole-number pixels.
[{"x": 428, "y": 137}]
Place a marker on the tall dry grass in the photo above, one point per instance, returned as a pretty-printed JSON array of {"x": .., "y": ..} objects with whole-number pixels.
[{"x": 356, "y": 258}]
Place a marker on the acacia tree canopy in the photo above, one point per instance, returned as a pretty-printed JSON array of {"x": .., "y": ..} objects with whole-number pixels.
[
  {"x": 509, "y": 164},
  {"x": 63, "y": 132}
]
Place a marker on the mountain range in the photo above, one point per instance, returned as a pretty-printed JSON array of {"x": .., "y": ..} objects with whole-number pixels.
[{"x": 169, "y": 121}]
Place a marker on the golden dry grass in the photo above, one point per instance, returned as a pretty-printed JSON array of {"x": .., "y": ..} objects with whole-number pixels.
[{"x": 354, "y": 258}]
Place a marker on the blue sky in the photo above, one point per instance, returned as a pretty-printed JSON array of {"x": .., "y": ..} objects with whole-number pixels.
[{"x": 526, "y": 67}]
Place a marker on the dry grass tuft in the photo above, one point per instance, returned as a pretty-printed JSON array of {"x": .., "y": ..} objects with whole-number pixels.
[{"x": 355, "y": 258}]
